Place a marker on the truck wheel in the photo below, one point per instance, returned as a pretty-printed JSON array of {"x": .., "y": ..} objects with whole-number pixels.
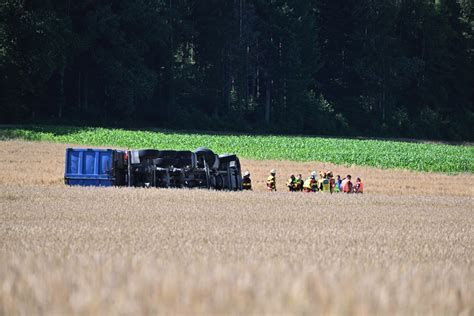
[
  {"x": 183, "y": 162},
  {"x": 204, "y": 150},
  {"x": 206, "y": 154}
]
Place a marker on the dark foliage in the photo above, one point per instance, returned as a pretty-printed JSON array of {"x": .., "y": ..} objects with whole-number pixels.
[{"x": 340, "y": 67}]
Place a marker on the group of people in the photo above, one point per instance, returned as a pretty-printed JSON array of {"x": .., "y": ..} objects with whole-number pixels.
[{"x": 324, "y": 183}]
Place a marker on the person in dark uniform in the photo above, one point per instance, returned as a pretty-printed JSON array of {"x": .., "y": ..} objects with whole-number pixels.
[
  {"x": 299, "y": 183},
  {"x": 246, "y": 181},
  {"x": 291, "y": 184}
]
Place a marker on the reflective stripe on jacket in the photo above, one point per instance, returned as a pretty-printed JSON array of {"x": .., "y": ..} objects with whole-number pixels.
[
  {"x": 271, "y": 183},
  {"x": 246, "y": 183},
  {"x": 325, "y": 185}
]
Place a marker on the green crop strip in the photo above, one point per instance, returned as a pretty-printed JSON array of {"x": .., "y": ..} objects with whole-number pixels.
[{"x": 375, "y": 153}]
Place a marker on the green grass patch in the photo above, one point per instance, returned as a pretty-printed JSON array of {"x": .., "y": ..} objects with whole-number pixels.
[{"x": 375, "y": 153}]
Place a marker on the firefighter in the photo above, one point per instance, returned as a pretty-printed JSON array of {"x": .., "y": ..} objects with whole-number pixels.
[
  {"x": 319, "y": 179},
  {"x": 359, "y": 186},
  {"x": 324, "y": 182},
  {"x": 246, "y": 181},
  {"x": 321, "y": 175},
  {"x": 332, "y": 182},
  {"x": 271, "y": 181},
  {"x": 310, "y": 184},
  {"x": 291, "y": 184},
  {"x": 299, "y": 183}
]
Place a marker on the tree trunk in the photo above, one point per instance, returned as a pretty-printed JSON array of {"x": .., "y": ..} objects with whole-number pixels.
[
  {"x": 383, "y": 101},
  {"x": 61, "y": 92},
  {"x": 267, "y": 97},
  {"x": 171, "y": 89},
  {"x": 383, "y": 90},
  {"x": 257, "y": 73},
  {"x": 79, "y": 91},
  {"x": 240, "y": 20},
  {"x": 246, "y": 76},
  {"x": 86, "y": 90},
  {"x": 226, "y": 82}
]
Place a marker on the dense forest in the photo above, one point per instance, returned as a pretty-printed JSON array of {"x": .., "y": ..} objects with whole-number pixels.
[{"x": 400, "y": 68}]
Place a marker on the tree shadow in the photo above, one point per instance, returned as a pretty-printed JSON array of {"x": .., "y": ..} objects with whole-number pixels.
[{"x": 34, "y": 132}]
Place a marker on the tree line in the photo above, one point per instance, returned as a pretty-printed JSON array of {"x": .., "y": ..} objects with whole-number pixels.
[{"x": 401, "y": 68}]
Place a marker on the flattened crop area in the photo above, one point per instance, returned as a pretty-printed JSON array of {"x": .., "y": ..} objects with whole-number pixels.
[{"x": 101, "y": 251}]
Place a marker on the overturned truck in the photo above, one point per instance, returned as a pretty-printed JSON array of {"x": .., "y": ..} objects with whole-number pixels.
[{"x": 201, "y": 168}]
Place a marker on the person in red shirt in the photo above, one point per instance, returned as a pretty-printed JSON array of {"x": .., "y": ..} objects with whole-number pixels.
[
  {"x": 359, "y": 186},
  {"x": 346, "y": 184}
]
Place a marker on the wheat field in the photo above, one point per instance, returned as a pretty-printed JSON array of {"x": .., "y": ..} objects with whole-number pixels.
[{"x": 401, "y": 248}]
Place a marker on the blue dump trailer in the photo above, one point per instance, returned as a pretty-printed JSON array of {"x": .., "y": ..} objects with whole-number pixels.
[{"x": 152, "y": 168}]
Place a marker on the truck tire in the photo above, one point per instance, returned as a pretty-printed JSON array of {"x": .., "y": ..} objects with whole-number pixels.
[
  {"x": 206, "y": 154},
  {"x": 204, "y": 150},
  {"x": 183, "y": 162},
  {"x": 184, "y": 158}
]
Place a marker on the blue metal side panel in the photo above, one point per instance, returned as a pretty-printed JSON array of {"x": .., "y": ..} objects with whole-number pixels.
[
  {"x": 89, "y": 167},
  {"x": 91, "y": 182}
]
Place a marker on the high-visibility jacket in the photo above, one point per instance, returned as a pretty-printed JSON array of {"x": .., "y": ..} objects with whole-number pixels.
[
  {"x": 324, "y": 185},
  {"x": 271, "y": 183},
  {"x": 310, "y": 185},
  {"x": 299, "y": 184},
  {"x": 246, "y": 183}
]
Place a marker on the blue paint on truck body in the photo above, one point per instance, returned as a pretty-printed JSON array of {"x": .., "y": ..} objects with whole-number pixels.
[{"x": 89, "y": 167}]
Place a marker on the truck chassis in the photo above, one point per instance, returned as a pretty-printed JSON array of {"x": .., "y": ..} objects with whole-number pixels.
[{"x": 153, "y": 168}]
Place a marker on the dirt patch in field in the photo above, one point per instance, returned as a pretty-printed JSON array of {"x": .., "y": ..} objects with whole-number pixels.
[{"x": 43, "y": 163}]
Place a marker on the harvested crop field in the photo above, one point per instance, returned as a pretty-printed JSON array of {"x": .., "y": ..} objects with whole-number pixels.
[{"x": 406, "y": 246}]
